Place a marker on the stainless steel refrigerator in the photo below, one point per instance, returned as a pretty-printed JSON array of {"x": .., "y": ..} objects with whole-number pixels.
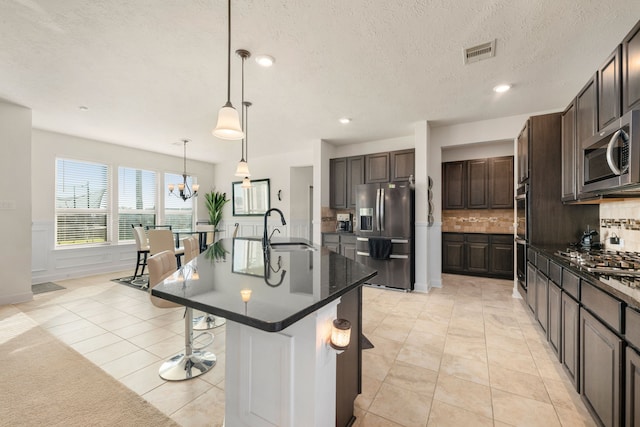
[{"x": 385, "y": 215}]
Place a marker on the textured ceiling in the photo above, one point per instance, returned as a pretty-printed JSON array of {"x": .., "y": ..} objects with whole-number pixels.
[{"x": 154, "y": 71}]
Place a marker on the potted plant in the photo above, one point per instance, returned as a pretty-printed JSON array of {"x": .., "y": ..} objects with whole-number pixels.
[{"x": 215, "y": 201}]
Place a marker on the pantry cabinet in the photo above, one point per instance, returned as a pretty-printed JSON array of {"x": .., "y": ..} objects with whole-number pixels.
[{"x": 487, "y": 255}]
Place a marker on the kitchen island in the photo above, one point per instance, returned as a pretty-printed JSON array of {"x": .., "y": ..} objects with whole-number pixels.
[{"x": 279, "y": 369}]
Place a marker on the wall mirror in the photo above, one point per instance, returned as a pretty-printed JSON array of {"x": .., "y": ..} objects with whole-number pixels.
[{"x": 253, "y": 201}]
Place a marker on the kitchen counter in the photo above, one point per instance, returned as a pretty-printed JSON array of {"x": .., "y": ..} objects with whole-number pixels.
[
  {"x": 286, "y": 289},
  {"x": 629, "y": 296}
]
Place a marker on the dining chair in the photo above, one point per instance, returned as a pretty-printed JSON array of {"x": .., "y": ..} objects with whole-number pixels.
[
  {"x": 142, "y": 246},
  {"x": 158, "y": 227},
  {"x": 162, "y": 240},
  {"x": 194, "y": 361},
  {"x": 208, "y": 321}
]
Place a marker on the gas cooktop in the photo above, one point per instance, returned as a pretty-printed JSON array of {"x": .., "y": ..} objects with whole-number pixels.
[{"x": 600, "y": 261}]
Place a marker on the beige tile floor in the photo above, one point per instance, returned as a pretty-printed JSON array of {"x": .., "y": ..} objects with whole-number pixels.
[{"x": 464, "y": 355}]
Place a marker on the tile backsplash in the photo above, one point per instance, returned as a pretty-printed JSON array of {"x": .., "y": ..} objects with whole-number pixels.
[
  {"x": 491, "y": 221},
  {"x": 621, "y": 219},
  {"x": 329, "y": 222}
]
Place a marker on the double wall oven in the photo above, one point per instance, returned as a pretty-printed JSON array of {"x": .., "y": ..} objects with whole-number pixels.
[{"x": 521, "y": 234}]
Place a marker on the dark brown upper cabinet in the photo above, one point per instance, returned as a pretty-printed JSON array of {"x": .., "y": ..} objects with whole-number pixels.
[
  {"x": 338, "y": 187},
  {"x": 586, "y": 112},
  {"x": 631, "y": 70},
  {"x": 569, "y": 164},
  {"x": 609, "y": 90},
  {"x": 454, "y": 193},
  {"x": 355, "y": 177},
  {"x": 377, "y": 168},
  {"x": 523, "y": 154},
  {"x": 402, "y": 165},
  {"x": 478, "y": 184}
]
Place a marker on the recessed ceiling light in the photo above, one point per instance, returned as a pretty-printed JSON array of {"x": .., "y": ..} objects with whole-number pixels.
[
  {"x": 501, "y": 88},
  {"x": 265, "y": 60},
  {"x": 344, "y": 120},
  {"x": 83, "y": 108}
]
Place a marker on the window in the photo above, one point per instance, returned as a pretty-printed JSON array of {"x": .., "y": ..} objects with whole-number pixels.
[
  {"x": 177, "y": 212},
  {"x": 136, "y": 200},
  {"x": 81, "y": 202}
]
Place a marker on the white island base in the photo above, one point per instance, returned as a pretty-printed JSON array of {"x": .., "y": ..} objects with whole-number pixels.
[{"x": 283, "y": 379}]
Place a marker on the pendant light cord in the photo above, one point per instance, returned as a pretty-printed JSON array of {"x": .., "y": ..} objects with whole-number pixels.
[
  {"x": 246, "y": 132},
  {"x": 229, "y": 54},
  {"x": 242, "y": 109}
]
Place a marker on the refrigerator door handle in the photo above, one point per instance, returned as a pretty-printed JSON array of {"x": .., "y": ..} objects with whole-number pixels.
[
  {"x": 378, "y": 209},
  {"x": 362, "y": 253},
  {"x": 399, "y": 241},
  {"x": 382, "y": 209},
  {"x": 364, "y": 239},
  {"x": 399, "y": 256}
]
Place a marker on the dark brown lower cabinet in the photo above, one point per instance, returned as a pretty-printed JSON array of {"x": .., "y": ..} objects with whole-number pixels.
[
  {"x": 501, "y": 255},
  {"x": 349, "y": 363},
  {"x": 452, "y": 253},
  {"x": 542, "y": 298},
  {"x": 632, "y": 388},
  {"x": 477, "y": 253},
  {"x": 600, "y": 370},
  {"x": 488, "y": 255},
  {"x": 531, "y": 286},
  {"x": 554, "y": 330},
  {"x": 569, "y": 338}
]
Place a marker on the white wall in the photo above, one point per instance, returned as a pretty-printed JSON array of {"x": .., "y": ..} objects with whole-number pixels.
[
  {"x": 15, "y": 204},
  {"x": 277, "y": 169},
  {"x": 49, "y": 263}
]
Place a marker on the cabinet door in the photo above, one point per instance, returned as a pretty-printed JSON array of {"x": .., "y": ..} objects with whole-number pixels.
[
  {"x": 452, "y": 253},
  {"x": 542, "y": 300},
  {"x": 477, "y": 253},
  {"x": 523, "y": 154},
  {"x": 501, "y": 256},
  {"x": 338, "y": 187},
  {"x": 478, "y": 184},
  {"x": 349, "y": 362},
  {"x": 402, "y": 165},
  {"x": 586, "y": 117},
  {"x": 348, "y": 251},
  {"x": 355, "y": 176},
  {"x": 569, "y": 349},
  {"x": 554, "y": 330},
  {"x": 569, "y": 153},
  {"x": 377, "y": 168},
  {"x": 609, "y": 90},
  {"x": 600, "y": 370},
  {"x": 631, "y": 70},
  {"x": 453, "y": 185},
  {"x": 632, "y": 394},
  {"x": 501, "y": 183},
  {"x": 531, "y": 286}
]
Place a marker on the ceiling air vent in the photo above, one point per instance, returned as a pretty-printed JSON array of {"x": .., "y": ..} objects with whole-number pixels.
[{"x": 480, "y": 52}]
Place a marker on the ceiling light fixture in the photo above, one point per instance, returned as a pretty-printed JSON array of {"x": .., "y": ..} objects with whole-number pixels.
[
  {"x": 246, "y": 182},
  {"x": 344, "y": 120},
  {"x": 265, "y": 60},
  {"x": 185, "y": 192},
  {"x": 243, "y": 166},
  {"x": 501, "y": 88},
  {"x": 228, "y": 126},
  {"x": 83, "y": 108}
]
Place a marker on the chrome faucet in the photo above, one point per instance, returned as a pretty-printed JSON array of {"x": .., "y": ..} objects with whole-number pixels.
[{"x": 266, "y": 240}]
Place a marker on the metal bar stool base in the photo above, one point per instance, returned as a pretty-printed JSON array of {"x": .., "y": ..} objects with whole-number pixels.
[
  {"x": 181, "y": 367},
  {"x": 208, "y": 321}
]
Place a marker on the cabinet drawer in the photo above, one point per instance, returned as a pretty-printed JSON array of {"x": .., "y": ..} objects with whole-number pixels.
[
  {"x": 602, "y": 305},
  {"x": 347, "y": 239},
  {"x": 555, "y": 273},
  {"x": 506, "y": 239},
  {"x": 331, "y": 238},
  {"x": 632, "y": 327},
  {"x": 531, "y": 256},
  {"x": 571, "y": 284},
  {"x": 542, "y": 262},
  {"x": 453, "y": 237},
  {"x": 477, "y": 238}
]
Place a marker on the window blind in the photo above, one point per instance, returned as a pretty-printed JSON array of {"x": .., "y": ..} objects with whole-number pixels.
[{"x": 136, "y": 200}]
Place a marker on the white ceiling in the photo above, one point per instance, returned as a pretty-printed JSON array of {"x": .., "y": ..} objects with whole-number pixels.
[{"x": 154, "y": 71}]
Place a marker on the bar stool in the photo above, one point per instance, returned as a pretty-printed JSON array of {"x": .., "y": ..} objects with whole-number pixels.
[
  {"x": 162, "y": 240},
  {"x": 142, "y": 246},
  {"x": 194, "y": 361}
]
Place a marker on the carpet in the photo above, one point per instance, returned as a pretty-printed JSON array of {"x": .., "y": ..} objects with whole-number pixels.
[
  {"x": 137, "y": 283},
  {"x": 41, "y": 288},
  {"x": 46, "y": 383}
]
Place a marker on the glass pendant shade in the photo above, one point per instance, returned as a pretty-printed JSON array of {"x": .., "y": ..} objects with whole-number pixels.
[
  {"x": 246, "y": 183},
  {"x": 340, "y": 334},
  {"x": 242, "y": 169},
  {"x": 228, "y": 126}
]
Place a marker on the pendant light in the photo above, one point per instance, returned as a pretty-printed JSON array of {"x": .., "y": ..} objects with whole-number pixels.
[
  {"x": 184, "y": 192},
  {"x": 228, "y": 126},
  {"x": 243, "y": 167},
  {"x": 246, "y": 182}
]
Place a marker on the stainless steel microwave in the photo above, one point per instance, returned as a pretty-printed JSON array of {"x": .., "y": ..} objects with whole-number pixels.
[{"x": 611, "y": 158}]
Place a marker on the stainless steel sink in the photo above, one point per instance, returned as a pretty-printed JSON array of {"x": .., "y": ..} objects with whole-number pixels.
[{"x": 291, "y": 246}]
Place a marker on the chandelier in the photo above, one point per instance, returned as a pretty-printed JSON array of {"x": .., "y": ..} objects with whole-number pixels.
[{"x": 184, "y": 192}]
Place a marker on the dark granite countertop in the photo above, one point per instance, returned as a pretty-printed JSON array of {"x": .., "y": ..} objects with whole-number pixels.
[
  {"x": 550, "y": 252},
  {"x": 284, "y": 289}
]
